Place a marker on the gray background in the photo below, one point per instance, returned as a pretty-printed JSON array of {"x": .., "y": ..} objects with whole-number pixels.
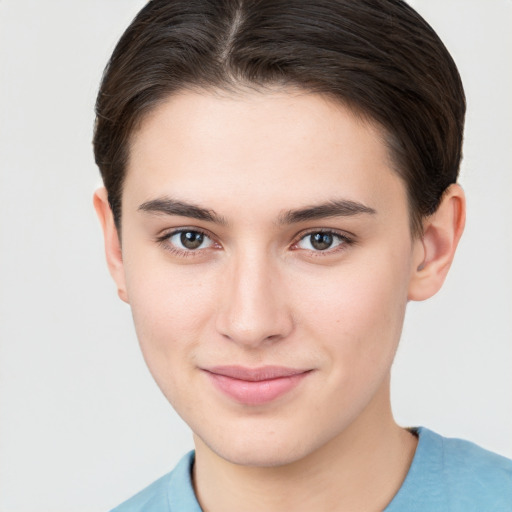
[{"x": 82, "y": 425}]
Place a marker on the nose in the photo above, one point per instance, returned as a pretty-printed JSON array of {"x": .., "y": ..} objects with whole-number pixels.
[{"x": 253, "y": 308}]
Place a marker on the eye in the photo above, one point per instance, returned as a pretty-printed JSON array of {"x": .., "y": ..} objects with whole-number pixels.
[
  {"x": 322, "y": 241},
  {"x": 188, "y": 240}
]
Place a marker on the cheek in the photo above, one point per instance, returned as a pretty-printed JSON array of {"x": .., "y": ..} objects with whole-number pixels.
[
  {"x": 356, "y": 315},
  {"x": 171, "y": 308}
]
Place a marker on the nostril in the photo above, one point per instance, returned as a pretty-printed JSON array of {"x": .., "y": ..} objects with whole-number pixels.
[{"x": 262, "y": 329}]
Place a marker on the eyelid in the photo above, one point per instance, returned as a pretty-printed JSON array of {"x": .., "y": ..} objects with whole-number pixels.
[
  {"x": 164, "y": 236},
  {"x": 347, "y": 238},
  {"x": 163, "y": 239}
]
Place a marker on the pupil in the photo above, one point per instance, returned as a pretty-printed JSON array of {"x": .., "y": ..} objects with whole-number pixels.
[
  {"x": 321, "y": 241},
  {"x": 191, "y": 239}
]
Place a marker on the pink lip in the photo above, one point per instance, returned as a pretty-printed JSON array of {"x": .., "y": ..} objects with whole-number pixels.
[{"x": 255, "y": 386}]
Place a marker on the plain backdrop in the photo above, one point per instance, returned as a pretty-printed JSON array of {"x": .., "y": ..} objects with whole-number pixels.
[{"x": 82, "y": 425}]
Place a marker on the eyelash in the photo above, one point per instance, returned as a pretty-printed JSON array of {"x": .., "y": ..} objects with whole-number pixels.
[
  {"x": 164, "y": 241},
  {"x": 345, "y": 241}
]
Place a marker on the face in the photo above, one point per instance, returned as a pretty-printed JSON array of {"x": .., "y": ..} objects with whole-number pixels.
[{"x": 266, "y": 256}]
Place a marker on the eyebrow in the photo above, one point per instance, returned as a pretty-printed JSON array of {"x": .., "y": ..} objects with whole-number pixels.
[
  {"x": 168, "y": 206},
  {"x": 333, "y": 208}
]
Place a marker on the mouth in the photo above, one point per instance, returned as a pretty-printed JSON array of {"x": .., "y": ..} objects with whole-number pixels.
[{"x": 255, "y": 386}]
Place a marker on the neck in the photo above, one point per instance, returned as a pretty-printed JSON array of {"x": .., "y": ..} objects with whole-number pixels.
[{"x": 362, "y": 468}]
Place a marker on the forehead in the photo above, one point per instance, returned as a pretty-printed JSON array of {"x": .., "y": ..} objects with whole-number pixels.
[{"x": 272, "y": 148}]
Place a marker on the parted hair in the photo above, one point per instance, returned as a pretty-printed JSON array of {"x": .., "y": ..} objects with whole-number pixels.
[{"x": 378, "y": 57}]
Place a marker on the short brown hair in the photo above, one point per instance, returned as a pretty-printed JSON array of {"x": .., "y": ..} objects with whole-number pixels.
[{"x": 379, "y": 57}]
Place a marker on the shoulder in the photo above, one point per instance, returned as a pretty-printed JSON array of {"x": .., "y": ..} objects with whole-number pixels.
[
  {"x": 456, "y": 475},
  {"x": 464, "y": 456},
  {"x": 172, "y": 492},
  {"x": 469, "y": 466}
]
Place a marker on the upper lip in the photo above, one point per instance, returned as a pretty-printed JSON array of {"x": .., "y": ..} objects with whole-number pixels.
[{"x": 255, "y": 374}]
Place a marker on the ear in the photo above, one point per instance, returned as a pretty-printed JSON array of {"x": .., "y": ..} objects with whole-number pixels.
[
  {"x": 435, "y": 250},
  {"x": 113, "y": 251}
]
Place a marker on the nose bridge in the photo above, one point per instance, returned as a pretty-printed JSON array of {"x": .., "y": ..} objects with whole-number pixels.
[{"x": 253, "y": 309}]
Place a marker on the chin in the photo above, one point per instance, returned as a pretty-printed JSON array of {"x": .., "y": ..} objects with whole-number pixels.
[
  {"x": 264, "y": 451},
  {"x": 261, "y": 458}
]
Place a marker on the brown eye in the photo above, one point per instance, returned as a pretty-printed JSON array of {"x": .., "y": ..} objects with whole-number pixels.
[
  {"x": 322, "y": 241},
  {"x": 189, "y": 240}
]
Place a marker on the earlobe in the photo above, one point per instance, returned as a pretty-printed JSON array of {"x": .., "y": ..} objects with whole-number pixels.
[
  {"x": 435, "y": 251},
  {"x": 113, "y": 250}
]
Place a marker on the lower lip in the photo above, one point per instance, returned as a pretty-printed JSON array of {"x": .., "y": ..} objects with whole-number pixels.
[{"x": 256, "y": 392}]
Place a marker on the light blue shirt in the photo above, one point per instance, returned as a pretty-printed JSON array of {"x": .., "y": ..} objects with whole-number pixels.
[{"x": 446, "y": 475}]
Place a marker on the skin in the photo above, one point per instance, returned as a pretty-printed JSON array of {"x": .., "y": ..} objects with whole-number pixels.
[{"x": 257, "y": 292}]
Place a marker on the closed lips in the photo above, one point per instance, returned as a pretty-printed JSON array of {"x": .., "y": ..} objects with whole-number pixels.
[
  {"x": 255, "y": 374},
  {"x": 255, "y": 386}
]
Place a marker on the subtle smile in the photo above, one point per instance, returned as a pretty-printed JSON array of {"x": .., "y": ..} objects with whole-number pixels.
[{"x": 255, "y": 386}]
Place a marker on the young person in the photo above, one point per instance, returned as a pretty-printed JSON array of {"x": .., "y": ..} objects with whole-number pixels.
[{"x": 280, "y": 180}]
